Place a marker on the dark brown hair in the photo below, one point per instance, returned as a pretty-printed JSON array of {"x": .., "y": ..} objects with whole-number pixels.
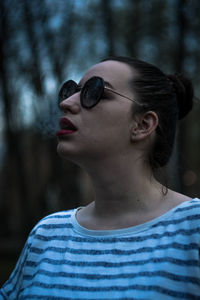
[{"x": 170, "y": 96}]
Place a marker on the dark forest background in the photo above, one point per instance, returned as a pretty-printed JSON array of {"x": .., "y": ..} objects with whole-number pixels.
[{"x": 43, "y": 42}]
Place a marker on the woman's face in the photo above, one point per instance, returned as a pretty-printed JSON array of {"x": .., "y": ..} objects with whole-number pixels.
[{"x": 104, "y": 130}]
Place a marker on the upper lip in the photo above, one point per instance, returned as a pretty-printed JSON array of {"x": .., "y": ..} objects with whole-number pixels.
[{"x": 64, "y": 123}]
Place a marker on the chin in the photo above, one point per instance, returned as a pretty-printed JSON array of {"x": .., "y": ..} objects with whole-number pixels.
[{"x": 64, "y": 151}]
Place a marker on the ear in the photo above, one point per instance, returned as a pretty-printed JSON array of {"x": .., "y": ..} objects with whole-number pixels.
[{"x": 144, "y": 125}]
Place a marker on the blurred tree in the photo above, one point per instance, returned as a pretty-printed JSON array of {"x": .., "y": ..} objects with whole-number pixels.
[
  {"x": 132, "y": 27},
  {"x": 183, "y": 61},
  {"x": 107, "y": 18},
  {"x": 23, "y": 198},
  {"x": 13, "y": 155}
]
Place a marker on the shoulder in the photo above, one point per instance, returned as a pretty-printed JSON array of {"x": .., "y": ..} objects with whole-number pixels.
[
  {"x": 182, "y": 221},
  {"x": 57, "y": 216},
  {"x": 183, "y": 212},
  {"x": 53, "y": 223},
  {"x": 174, "y": 199},
  {"x": 189, "y": 212},
  {"x": 192, "y": 204}
]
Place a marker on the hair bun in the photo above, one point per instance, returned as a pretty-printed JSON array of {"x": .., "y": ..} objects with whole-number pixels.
[{"x": 184, "y": 93}]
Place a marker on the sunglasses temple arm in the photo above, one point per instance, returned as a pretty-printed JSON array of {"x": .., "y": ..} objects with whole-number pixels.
[{"x": 124, "y": 96}]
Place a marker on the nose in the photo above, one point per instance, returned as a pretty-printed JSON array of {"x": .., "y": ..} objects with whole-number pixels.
[{"x": 71, "y": 104}]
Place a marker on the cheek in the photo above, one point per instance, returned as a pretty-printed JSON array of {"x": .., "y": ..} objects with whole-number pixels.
[
  {"x": 96, "y": 143},
  {"x": 108, "y": 132}
]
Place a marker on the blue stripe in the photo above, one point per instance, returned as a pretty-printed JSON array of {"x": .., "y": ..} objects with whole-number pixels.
[
  {"x": 192, "y": 246},
  {"x": 188, "y": 207},
  {"x": 57, "y": 216},
  {"x": 48, "y": 297},
  {"x": 171, "y": 276},
  {"x": 116, "y": 239},
  {"x": 1, "y": 294},
  {"x": 175, "y": 261},
  {"x": 135, "y": 287},
  {"x": 55, "y": 226},
  {"x": 188, "y": 218},
  {"x": 161, "y": 223}
]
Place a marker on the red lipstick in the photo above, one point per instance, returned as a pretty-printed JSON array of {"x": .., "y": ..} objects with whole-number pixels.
[{"x": 66, "y": 127}]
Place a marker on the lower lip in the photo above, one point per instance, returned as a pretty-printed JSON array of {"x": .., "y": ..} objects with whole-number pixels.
[{"x": 64, "y": 132}]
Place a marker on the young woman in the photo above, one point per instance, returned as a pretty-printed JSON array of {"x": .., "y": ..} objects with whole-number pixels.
[{"x": 136, "y": 240}]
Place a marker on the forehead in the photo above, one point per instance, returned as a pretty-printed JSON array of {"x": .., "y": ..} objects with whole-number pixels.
[{"x": 118, "y": 74}]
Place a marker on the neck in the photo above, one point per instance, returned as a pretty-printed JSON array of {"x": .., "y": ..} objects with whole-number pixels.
[{"x": 122, "y": 188}]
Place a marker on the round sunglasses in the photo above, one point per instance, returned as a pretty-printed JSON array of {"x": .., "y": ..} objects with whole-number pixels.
[{"x": 91, "y": 92}]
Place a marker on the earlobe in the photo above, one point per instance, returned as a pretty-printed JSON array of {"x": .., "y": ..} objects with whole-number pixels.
[{"x": 144, "y": 125}]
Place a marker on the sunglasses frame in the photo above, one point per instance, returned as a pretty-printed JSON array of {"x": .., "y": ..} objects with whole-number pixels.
[{"x": 83, "y": 89}]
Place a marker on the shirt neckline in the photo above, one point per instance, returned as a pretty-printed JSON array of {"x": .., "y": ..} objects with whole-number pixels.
[{"x": 124, "y": 231}]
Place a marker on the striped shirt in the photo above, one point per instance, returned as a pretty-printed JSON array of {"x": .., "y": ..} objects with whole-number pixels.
[{"x": 155, "y": 260}]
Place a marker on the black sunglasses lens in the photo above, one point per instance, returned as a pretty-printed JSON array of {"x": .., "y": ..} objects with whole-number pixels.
[
  {"x": 92, "y": 92},
  {"x": 67, "y": 90}
]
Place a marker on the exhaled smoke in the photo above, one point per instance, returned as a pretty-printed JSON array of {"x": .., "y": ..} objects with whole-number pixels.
[{"x": 47, "y": 122}]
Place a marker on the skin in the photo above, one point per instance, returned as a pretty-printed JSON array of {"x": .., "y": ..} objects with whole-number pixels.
[{"x": 112, "y": 144}]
